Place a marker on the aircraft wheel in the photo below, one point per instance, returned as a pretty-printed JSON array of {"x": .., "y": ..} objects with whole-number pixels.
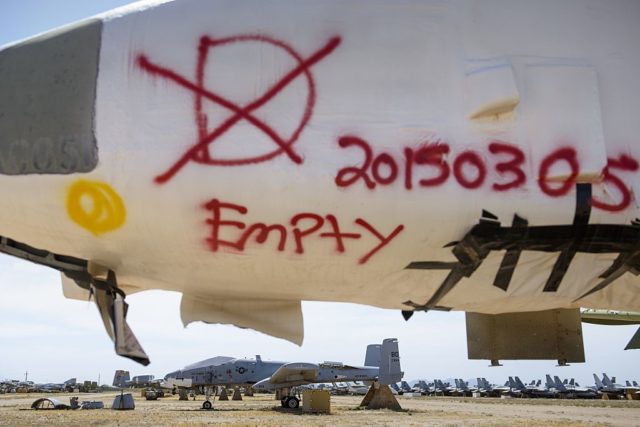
[
  {"x": 293, "y": 402},
  {"x": 207, "y": 405}
]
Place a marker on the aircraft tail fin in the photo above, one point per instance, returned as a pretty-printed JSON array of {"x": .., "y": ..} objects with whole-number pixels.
[
  {"x": 390, "y": 371},
  {"x": 372, "y": 357},
  {"x": 628, "y": 383},
  {"x": 120, "y": 378},
  {"x": 599, "y": 384},
  {"x": 605, "y": 380},
  {"x": 634, "y": 343},
  {"x": 519, "y": 383},
  {"x": 635, "y": 383},
  {"x": 550, "y": 383},
  {"x": 559, "y": 384}
]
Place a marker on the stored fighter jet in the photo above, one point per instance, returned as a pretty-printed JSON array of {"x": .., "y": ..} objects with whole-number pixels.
[
  {"x": 444, "y": 389},
  {"x": 412, "y": 154},
  {"x": 610, "y": 385},
  {"x": 121, "y": 379},
  {"x": 535, "y": 389},
  {"x": 68, "y": 385},
  {"x": 382, "y": 364},
  {"x": 607, "y": 385},
  {"x": 356, "y": 388},
  {"x": 571, "y": 390}
]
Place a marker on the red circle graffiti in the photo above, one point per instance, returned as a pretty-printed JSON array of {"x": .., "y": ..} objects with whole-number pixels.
[{"x": 199, "y": 153}]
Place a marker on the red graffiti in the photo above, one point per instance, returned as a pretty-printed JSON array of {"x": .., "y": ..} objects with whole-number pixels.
[
  {"x": 624, "y": 163},
  {"x": 430, "y": 158},
  {"x": 568, "y": 155},
  {"x": 428, "y": 164},
  {"x": 200, "y": 152},
  {"x": 350, "y": 175},
  {"x": 429, "y": 154},
  {"x": 302, "y": 226},
  {"x": 513, "y": 166},
  {"x": 474, "y": 160}
]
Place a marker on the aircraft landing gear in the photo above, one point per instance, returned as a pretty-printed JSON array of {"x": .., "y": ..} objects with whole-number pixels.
[
  {"x": 207, "y": 405},
  {"x": 290, "y": 402}
]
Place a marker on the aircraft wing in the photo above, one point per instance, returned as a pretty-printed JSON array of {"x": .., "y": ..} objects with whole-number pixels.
[{"x": 292, "y": 374}]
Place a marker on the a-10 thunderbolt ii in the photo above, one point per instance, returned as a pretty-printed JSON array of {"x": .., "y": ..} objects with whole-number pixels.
[
  {"x": 410, "y": 154},
  {"x": 381, "y": 364}
]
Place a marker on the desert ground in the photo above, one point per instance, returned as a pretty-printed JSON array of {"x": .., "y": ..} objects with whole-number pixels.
[{"x": 263, "y": 410}]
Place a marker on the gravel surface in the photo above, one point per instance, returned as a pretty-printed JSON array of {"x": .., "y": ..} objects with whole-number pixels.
[{"x": 262, "y": 410}]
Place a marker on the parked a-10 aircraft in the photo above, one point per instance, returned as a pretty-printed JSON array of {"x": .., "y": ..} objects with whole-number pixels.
[
  {"x": 382, "y": 364},
  {"x": 409, "y": 154}
]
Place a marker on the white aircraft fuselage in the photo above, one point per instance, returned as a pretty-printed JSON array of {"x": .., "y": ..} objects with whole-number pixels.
[{"x": 259, "y": 153}]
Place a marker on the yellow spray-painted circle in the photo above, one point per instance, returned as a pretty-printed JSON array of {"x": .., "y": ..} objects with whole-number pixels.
[{"x": 95, "y": 206}]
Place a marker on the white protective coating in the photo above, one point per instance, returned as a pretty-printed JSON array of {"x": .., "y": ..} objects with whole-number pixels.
[{"x": 403, "y": 74}]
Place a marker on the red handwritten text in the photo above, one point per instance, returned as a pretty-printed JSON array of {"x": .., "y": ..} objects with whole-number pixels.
[
  {"x": 624, "y": 163},
  {"x": 301, "y": 227},
  {"x": 428, "y": 166}
]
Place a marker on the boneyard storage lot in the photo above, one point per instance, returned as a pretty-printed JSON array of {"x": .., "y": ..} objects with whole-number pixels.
[{"x": 262, "y": 410}]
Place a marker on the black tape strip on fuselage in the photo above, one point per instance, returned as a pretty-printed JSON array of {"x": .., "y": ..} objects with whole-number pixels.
[
  {"x": 488, "y": 235},
  {"x": 510, "y": 260},
  {"x": 580, "y": 223}
]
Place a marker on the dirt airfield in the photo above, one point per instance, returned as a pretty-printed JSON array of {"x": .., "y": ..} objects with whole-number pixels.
[{"x": 262, "y": 410}]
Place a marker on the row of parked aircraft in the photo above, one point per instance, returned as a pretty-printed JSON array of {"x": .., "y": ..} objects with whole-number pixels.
[
  {"x": 14, "y": 386},
  {"x": 515, "y": 387},
  {"x": 70, "y": 385}
]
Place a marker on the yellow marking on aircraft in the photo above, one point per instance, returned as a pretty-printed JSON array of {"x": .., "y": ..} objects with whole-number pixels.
[{"x": 95, "y": 206}]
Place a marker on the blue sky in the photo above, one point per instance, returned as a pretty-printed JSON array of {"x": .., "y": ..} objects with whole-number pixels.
[{"x": 54, "y": 339}]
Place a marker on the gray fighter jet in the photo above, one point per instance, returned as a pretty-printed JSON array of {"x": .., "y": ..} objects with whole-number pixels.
[
  {"x": 382, "y": 363},
  {"x": 610, "y": 386},
  {"x": 572, "y": 390}
]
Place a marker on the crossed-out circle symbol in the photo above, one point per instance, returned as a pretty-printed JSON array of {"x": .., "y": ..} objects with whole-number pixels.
[{"x": 200, "y": 153}]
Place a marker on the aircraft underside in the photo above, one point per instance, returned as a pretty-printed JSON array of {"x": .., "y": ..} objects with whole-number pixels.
[{"x": 411, "y": 155}]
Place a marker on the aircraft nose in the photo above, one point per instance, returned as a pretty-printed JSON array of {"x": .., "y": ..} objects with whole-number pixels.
[
  {"x": 47, "y": 102},
  {"x": 175, "y": 374}
]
